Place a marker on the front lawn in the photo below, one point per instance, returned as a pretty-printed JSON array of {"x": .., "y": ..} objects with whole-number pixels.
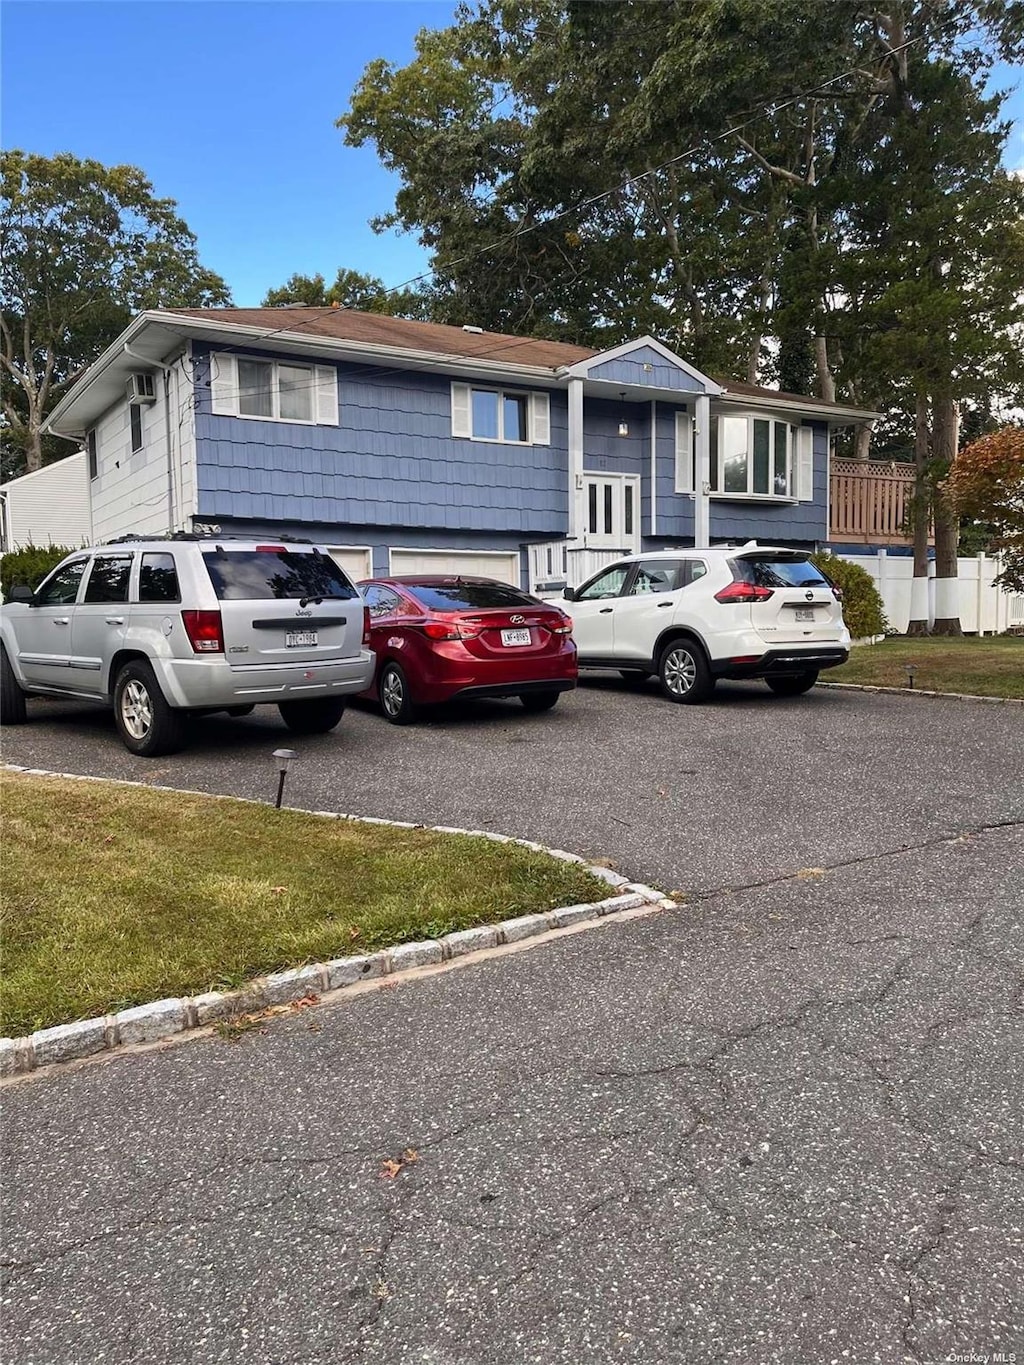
[
  {"x": 115, "y": 896},
  {"x": 991, "y": 666}
]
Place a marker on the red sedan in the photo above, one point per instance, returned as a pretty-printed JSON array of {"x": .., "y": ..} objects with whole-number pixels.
[{"x": 438, "y": 637}]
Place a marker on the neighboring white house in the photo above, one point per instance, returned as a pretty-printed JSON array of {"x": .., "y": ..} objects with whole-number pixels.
[{"x": 48, "y": 507}]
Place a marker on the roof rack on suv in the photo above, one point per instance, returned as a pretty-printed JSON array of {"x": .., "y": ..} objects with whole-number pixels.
[{"x": 204, "y": 535}]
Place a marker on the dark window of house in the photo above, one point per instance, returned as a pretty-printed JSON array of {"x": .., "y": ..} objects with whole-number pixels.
[
  {"x": 108, "y": 580},
  {"x": 90, "y": 442},
  {"x": 136, "y": 420},
  {"x": 158, "y": 579}
]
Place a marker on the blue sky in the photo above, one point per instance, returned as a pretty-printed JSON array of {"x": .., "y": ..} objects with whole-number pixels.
[{"x": 228, "y": 106}]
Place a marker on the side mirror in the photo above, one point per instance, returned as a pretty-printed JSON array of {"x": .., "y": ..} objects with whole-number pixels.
[
  {"x": 569, "y": 594},
  {"x": 20, "y": 593}
]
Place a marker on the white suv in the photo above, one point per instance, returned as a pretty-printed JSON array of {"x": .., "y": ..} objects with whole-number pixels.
[
  {"x": 694, "y": 616},
  {"x": 163, "y": 627}
]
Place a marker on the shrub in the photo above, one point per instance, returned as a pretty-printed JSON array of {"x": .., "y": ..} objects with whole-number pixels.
[
  {"x": 863, "y": 611},
  {"x": 29, "y": 565}
]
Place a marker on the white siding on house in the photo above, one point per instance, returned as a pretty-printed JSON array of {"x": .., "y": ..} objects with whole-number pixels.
[
  {"x": 50, "y": 506},
  {"x": 130, "y": 491}
]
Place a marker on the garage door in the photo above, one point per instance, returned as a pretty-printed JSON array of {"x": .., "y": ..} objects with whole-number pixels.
[
  {"x": 482, "y": 563},
  {"x": 356, "y": 560}
]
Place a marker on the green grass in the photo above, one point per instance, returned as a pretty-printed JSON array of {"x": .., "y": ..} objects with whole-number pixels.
[
  {"x": 114, "y": 896},
  {"x": 992, "y": 666}
]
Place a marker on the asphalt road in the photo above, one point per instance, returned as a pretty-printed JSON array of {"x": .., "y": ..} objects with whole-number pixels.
[{"x": 780, "y": 1124}]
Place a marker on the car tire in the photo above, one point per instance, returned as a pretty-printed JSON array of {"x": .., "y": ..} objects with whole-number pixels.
[
  {"x": 12, "y": 698},
  {"x": 148, "y": 726},
  {"x": 395, "y": 697},
  {"x": 312, "y": 717},
  {"x": 684, "y": 673},
  {"x": 793, "y": 684},
  {"x": 539, "y": 701}
]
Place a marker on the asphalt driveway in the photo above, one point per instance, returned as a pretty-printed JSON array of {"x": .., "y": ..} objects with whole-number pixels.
[{"x": 780, "y": 1124}]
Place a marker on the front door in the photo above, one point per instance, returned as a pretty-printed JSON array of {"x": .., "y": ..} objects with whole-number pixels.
[{"x": 611, "y": 512}]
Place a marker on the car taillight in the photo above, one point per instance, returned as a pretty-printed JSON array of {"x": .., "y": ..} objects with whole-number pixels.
[
  {"x": 204, "y": 631},
  {"x": 449, "y": 630},
  {"x": 837, "y": 592},
  {"x": 743, "y": 592},
  {"x": 564, "y": 628},
  {"x": 366, "y": 626}
]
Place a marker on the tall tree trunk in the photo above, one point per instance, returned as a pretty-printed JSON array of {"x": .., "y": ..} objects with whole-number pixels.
[
  {"x": 945, "y": 438},
  {"x": 921, "y": 505},
  {"x": 862, "y": 442}
]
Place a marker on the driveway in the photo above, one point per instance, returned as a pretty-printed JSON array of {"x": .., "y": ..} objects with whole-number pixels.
[{"x": 780, "y": 1124}]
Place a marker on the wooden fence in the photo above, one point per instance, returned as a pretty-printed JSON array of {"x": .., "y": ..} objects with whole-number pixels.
[{"x": 870, "y": 503}]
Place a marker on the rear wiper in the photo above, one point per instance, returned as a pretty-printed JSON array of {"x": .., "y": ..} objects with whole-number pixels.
[{"x": 305, "y": 601}]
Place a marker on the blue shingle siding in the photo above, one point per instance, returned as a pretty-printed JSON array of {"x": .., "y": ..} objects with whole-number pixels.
[
  {"x": 391, "y": 461},
  {"x": 629, "y": 369}
]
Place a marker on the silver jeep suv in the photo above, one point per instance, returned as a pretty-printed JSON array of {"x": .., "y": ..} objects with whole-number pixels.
[{"x": 161, "y": 627}]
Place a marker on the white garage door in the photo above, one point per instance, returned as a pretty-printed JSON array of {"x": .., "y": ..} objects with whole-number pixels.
[
  {"x": 356, "y": 560},
  {"x": 482, "y": 563}
]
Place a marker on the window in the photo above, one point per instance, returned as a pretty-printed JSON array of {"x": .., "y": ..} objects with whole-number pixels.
[
  {"x": 469, "y": 596},
  {"x": 780, "y": 571},
  {"x": 273, "y": 390},
  {"x": 381, "y": 601},
  {"x": 135, "y": 417},
  {"x": 607, "y": 584},
  {"x": 61, "y": 588},
  {"x": 753, "y": 456},
  {"x": 90, "y": 442},
  {"x": 158, "y": 579},
  {"x": 498, "y": 415},
  {"x": 656, "y": 575},
  {"x": 108, "y": 579},
  {"x": 274, "y": 571}
]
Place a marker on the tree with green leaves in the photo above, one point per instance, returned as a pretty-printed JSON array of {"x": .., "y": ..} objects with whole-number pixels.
[
  {"x": 83, "y": 247},
  {"x": 351, "y": 289}
]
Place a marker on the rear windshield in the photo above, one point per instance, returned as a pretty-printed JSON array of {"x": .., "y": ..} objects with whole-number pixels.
[
  {"x": 468, "y": 596},
  {"x": 782, "y": 571},
  {"x": 248, "y": 575}
]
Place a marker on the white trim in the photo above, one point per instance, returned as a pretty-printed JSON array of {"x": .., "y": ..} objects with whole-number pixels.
[
  {"x": 654, "y": 467},
  {"x": 501, "y": 394},
  {"x": 750, "y": 415},
  {"x": 582, "y": 368},
  {"x": 453, "y": 550}
]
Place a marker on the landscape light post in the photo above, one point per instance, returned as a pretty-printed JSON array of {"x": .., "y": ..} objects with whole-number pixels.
[{"x": 282, "y": 757}]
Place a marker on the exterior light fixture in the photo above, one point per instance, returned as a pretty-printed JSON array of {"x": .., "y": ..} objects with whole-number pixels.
[
  {"x": 909, "y": 669},
  {"x": 282, "y": 757},
  {"x": 623, "y": 428}
]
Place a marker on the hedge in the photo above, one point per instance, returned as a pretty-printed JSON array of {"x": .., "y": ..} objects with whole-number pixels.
[
  {"x": 29, "y": 565},
  {"x": 863, "y": 611}
]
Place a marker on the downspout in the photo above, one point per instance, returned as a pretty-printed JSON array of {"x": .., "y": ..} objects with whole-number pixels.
[
  {"x": 147, "y": 360},
  {"x": 575, "y": 456},
  {"x": 654, "y": 467}
]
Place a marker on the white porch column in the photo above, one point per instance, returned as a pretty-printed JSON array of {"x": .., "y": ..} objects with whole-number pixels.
[
  {"x": 702, "y": 475},
  {"x": 575, "y": 458}
]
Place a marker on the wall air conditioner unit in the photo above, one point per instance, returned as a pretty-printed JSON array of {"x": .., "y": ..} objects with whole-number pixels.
[{"x": 141, "y": 388}]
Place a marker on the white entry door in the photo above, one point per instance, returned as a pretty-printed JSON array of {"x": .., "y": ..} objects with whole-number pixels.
[{"x": 611, "y": 512}]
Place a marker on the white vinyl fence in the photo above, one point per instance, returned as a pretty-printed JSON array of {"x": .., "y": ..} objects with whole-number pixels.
[{"x": 984, "y": 609}]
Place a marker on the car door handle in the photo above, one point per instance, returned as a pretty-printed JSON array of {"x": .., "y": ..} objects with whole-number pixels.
[
  {"x": 62, "y": 620},
  {"x": 114, "y": 620},
  {"x": 664, "y": 604},
  {"x": 605, "y": 610}
]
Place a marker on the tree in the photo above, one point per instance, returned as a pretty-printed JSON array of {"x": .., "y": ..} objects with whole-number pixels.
[
  {"x": 351, "y": 289},
  {"x": 83, "y": 246},
  {"x": 986, "y": 483}
]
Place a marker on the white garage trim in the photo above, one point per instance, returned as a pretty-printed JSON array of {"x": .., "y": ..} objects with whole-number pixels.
[
  {"x": 500, "y": 564},
  {"x": 356, "y": 560}
]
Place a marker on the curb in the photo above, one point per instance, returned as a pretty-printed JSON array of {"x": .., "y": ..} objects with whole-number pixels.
[
  {"x": 166, "y": 1018},
  {"x": 923, "y": 692}
]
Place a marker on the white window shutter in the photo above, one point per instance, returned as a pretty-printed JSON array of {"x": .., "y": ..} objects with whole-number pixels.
[
  {"x": 684, "y": 452},
  {"x": 326, "y": 396},
  {"x": 223, "y": 383},
  {"x": 540, "y": 424},
  {"x": 804, "y": 464},
  {"x": 461, "y": 423}
]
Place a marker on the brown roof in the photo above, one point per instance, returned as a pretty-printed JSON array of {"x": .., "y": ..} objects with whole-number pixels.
[{"x": 345, "y": 324}]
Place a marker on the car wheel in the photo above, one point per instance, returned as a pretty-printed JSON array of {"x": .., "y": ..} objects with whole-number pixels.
[
  {"x": 539, "y": 701},
  {"x": 240, "y": 710},
  {"x": 312, "y": 717},
  {"x": 794, "y": 684},
  {"x": 12, "y": 698},
  {"x": 395, "y": 698},
  {"x": 147, "y": 725},
  {"x": 683, "y": 672}
]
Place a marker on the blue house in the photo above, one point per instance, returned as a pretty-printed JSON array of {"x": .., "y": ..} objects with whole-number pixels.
[{"x": 412, "y": 447}]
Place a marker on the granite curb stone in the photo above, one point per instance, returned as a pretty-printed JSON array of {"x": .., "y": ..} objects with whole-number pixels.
[{"x": 166, "y": 1018}]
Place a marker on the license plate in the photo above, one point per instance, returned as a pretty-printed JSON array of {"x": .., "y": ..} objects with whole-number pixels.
[
  {"x": 301, "y": 639},
  {"x": 515, "y": 637},
  {"x": 804, "y": 614}
]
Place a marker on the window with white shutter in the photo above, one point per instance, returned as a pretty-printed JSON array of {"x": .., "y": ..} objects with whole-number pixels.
[
  {"x": 501, "y": 416},
  {"x": 223, "y": 383},
  {"x": 540, "y": 426},
  {"x": 326, "y": 396},
  {"x": 461, "y": 424},
  {"x": 805, "y": 464},
  {"x": 684, "y": 452}
]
